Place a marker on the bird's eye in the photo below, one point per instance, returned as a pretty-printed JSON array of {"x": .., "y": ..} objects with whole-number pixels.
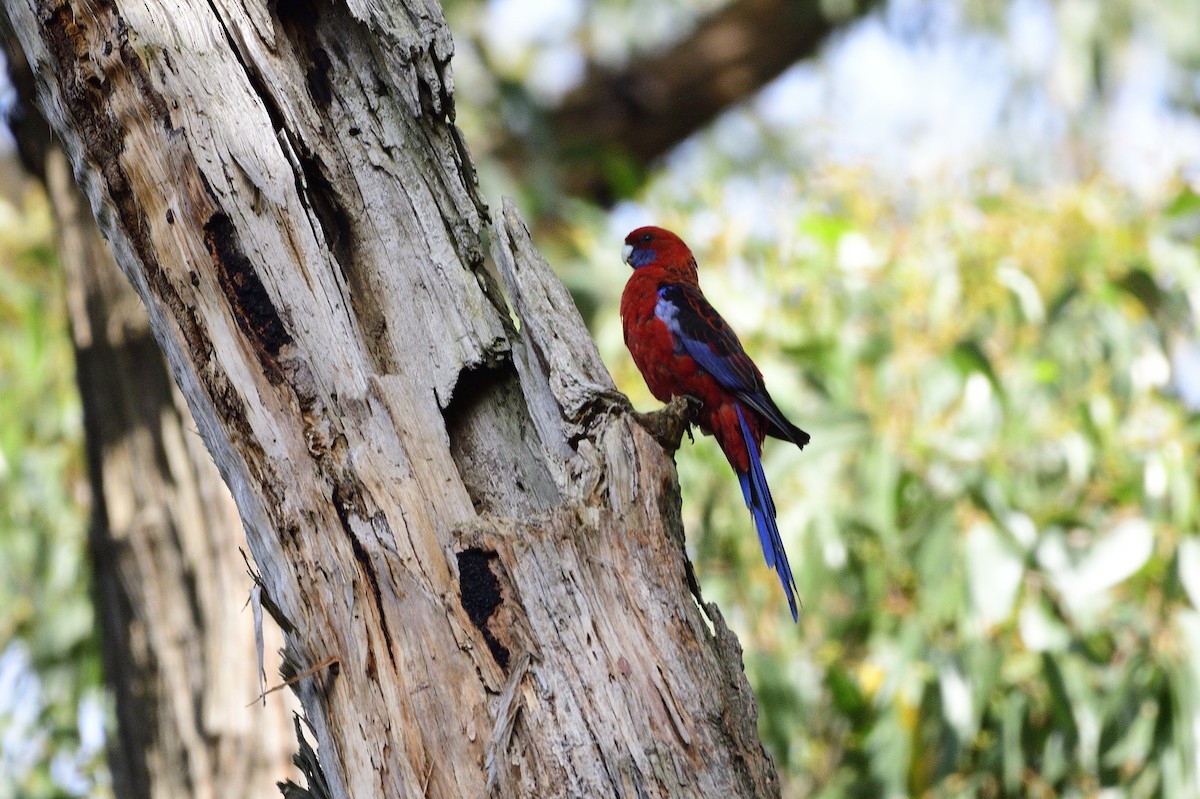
[{"x": 646, "y": 238}]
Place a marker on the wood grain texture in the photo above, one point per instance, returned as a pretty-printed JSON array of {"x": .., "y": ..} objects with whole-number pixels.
[
  {"x": 490, "y": 547},
  {"x": 164, "y": 537}
]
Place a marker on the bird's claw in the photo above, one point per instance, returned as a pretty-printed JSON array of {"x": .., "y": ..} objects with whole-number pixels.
[
  {"x": 669, "y": 424},
  {"x": 693, "y": 408},
  {"x": 666, "y": 425}
]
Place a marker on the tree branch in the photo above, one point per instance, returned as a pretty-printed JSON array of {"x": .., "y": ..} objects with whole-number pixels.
[{"x": 639, "y": 113}]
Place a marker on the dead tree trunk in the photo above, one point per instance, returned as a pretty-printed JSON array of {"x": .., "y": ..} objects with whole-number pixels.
[
  {"x": 454, "y": 510},
  {"x": 179, "y": 651},
  {"x": 170, "y": 582}
]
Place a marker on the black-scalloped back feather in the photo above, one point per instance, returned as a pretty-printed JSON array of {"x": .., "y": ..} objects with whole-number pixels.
[{"x": 708, "y": 339}]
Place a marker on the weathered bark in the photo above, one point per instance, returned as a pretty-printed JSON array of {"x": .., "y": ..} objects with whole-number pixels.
[
  {"x": 640, "y": 112},
  {"x": 457, "y": 511},
  {"x": 170, "y": 582}
]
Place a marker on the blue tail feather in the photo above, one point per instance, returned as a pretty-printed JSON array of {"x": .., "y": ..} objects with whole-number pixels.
[
  {"x": 762, "y": 508},
  {"x": 760, "y": 522}
]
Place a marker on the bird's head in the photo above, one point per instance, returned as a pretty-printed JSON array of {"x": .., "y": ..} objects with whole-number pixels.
[{"x": 653, "y": 246}]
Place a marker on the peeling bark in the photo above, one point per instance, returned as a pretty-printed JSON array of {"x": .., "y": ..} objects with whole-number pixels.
[
  {"x": 170, "y": 583},
  {"x": 179, "y": 654},
  {"x": 457, "y": 511}
]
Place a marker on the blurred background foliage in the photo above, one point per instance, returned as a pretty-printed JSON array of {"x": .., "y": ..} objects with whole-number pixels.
[
  {"x": 50, "y": 702},
  {"x": 994, "y": 528},
  {"x": 963, "y": 243}
]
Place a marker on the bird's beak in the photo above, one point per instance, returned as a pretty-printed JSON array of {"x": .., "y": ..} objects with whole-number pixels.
[{"x": 627, "y": 253}]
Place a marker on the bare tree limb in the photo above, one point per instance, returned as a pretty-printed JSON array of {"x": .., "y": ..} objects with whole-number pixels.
[{"x": 635, "y": 115}]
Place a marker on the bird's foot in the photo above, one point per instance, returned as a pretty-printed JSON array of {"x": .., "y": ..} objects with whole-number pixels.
[{"x": 669, "y": 424}]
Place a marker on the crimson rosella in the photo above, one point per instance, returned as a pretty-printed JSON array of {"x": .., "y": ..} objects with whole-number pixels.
[{"x": 683, "y": 347}]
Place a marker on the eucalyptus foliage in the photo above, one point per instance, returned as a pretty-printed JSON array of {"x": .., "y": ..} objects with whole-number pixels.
[{"x": 994, "y": 529}]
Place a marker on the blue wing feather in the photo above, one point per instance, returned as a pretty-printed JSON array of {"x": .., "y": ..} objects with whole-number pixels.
[{"x": 702, "y": 334}]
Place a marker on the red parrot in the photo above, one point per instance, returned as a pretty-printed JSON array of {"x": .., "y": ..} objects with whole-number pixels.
[{"x": 683, "y": 347}]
